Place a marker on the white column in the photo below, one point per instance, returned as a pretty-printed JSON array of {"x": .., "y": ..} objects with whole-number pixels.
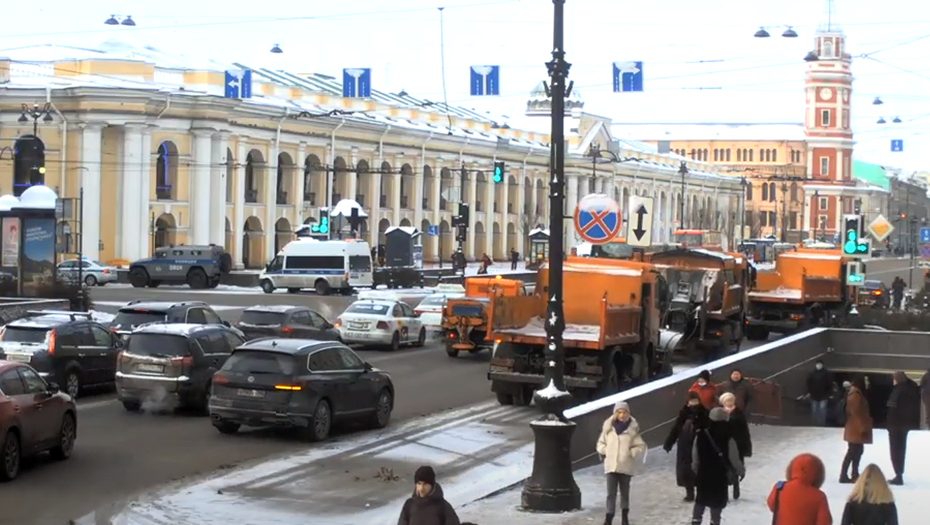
[
  {"x": 129, "y": 201},
  {"x": 145, "y": 195},
  {"x": 271, "y": 200},
  {"x": 505, "y": 215},
  {"x": 489, "y": 195},
  {"x": 90, "y": 183},
  {"x": 472, "y": 214},
  {"x": 352, "y": 174},
  {"x": 523, "y": 225},
  {"x": 298, "y": 185},
  {"x": 395, "y": 190},
  {"x": 239, "y": 200},
  {"x": 218, "y": 184},
  {"x": 418, "y": 191},
  {"x": 374, "y": 207},
  {"x": 200, "y": 200},
  {"x": 437, "y": 210},
  {"x": 571, "y": 202},
  {"x": 584, "y": 187}
]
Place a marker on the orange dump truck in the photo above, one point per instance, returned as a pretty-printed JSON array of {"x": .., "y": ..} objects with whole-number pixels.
[
  {"x": 807, "y": 289},
  {"x": 465, "y": 319},
  {"x": 612, "y": 314},
  {"x": 707, "y": 300}
]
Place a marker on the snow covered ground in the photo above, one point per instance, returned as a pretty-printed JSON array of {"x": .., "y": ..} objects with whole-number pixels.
[{"x": 657, "y": 500}]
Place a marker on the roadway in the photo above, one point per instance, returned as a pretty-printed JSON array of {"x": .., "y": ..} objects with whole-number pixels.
[
  {"x": 886, "y": 270},
  {"x": 119, "y": 454}
]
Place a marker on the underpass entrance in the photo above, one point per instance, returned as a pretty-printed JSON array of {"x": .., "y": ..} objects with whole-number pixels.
[{"x": 879, "y": 384}]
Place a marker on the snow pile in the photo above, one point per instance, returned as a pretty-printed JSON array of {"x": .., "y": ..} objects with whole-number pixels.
[{"x": 101, "y": 317}]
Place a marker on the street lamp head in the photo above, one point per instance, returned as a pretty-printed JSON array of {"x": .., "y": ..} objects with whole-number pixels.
[
  {"x": 790, "y": 33},
  {"x": 897, "y": 120},
  {"x": 762, "y": 33},
  {"x": 811, "y": 57},
  {"x": 128, "y": 22},
  {"x": 47, "y": 118},
  {"x": 881, "y": 120},
  {"x": 877, "y": 102},
  {"x": 276, "y": 49},
  {"x": 22, "y": 118},
  {"x": 112, "y": 21}
]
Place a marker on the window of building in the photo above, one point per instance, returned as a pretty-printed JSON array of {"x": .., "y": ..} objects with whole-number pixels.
[
  {"x": 739, "y": 155},
  {"x": 827, "y": 49},
  {"x": 692, "y": 154},
  {"x": 824, "y": 166},
  {"x": 773, "y": 220},
  {"x": 706, "y": 155},
  {"x": 765, "y": 192},
  {"x": 772, "y": 191},
  {"x": 845, "y": 119},
  {"x": 822, "y": 222},
  {"x": 716, "y": 155},
  {"x": 748, "y": 190},
  {"x": 750, "y": 156},
  {"x": 846, "y": 170},
  {"x": 794, "y": 192},
  {"x": 774, "y": 155},
  {"x": 793, "y": 220},
  {"x": 728, "y": 154},
  {"x": 763, "y": 219},
  {"x": 825, "y": 117},
  {"x": 822, "y": 205}
]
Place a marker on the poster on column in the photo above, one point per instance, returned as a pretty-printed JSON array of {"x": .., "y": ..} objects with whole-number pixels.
[
  {"x": 10, "y": 248},
  {"x": 38, "y": 254}
]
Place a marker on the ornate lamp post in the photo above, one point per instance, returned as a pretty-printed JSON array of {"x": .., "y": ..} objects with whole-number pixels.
[{"x": 551, "y": 487}]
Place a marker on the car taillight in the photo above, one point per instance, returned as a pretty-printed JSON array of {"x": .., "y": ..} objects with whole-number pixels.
[
  {"x": 418, "y": 312},
  {"x": 220, "y": 379},
  {"x": 106, "y": 272},
  {"x": 184, "y": 362},
  {"x": 382, "y": 325},
  {"x": 286, "y": 329},
  {"x": 878, "y": 292},
  {"x": 51, "y": 342}
]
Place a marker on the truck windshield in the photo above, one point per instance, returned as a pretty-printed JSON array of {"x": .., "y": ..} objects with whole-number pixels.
[{"x": 612, "y": 250}]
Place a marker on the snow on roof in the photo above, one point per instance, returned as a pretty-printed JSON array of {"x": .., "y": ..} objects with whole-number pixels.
[
  {"x": 534, "y": 231},
  {"x": 711, "y": 131},
  {"x": 344, "y": 208},
  {"x": 409, "y": 230}
]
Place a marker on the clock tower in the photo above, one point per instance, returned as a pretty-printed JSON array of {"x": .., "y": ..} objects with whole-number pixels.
[{"x": 827, "y": 127}]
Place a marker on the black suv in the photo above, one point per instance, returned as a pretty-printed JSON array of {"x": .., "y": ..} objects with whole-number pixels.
[
  {"x": 299, "y": 383},
  {"x": 286, "y": 321},
  {"x": 68, "y": 348},
  {"x": 167, "y": 366},
  {"x": 137, "y": 313}
]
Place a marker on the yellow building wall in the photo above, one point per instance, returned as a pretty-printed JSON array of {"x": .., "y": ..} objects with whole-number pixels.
[{"x": 110, "y": 167}]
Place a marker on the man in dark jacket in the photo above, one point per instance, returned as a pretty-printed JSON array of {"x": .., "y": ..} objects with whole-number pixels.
[
  {"x": 715, "y": 461},
  {"x": 740, "y": 388},
  {"x": 819, "y": 387},
  {"x": 692, "y": 417},
  {"x": 514, "y": 259},
  {"x": 427, "y": 506},
  {"x": 903, "y": 416}
]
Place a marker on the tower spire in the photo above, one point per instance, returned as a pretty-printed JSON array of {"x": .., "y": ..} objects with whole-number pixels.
[{"x": 829, "y": 22}]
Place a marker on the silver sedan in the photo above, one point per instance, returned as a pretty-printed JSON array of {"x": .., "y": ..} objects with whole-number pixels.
[{"x": 93, "y": 273}]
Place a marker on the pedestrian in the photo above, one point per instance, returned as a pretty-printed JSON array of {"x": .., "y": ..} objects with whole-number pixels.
[
  {"x": 819, "y": 387},
  {"x": 837, "y": 405},
  {"x": 925, "y": 396},
  {"x": 739, "y": 387},
  {"x": 858, "y": 429},
  {"x": 621, "y": 447},
  {"x": 705, "y": 390},
  {"x": 903, "y": 416},
  {"x": 870, "y": 502},
  {"x": 427, "y": 505},
  {"x": 739, "y": 429},
  {"x": 897, "y": 292},
  {"x": 514, "y": 258},
  {"x": 691, "y": 418},
  {"x": 715, "y": 459},
  {"x": 798, "y": 500}
]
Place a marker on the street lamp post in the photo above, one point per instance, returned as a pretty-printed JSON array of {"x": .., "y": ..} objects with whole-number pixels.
[
  {"x": 784, "y": 211},
  {"x": 742, "y": 208},
  {"x": 683, "y": 170},
  {"x": 551, "y": 487}
]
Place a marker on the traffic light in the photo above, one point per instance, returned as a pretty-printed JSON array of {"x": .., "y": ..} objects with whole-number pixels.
[
  {"x": 462, "y": 217},
  {"x": 903, "y": 215},
  {"x": 461, "y": 232},
  {"x": 322, "y": 226},
  {"x": 851, "y": 239},
  {"x": 855, "y": 274},
  {"x": 355, "y": 221},
  {"x": 498, "y": 172}
]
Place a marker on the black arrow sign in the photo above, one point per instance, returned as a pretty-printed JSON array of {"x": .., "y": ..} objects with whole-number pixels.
[{"x": 639, "y": 232}]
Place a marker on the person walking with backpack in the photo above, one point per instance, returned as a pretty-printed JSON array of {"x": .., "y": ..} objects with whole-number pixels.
[
  {"x": 621, "y": 447},
  {"x": 714, "y": 460},
  {"x": 798, "y": 500},
  {"x": 857, "y": 431}
]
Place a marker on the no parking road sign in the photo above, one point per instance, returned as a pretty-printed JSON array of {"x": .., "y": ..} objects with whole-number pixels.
[{"x": 597, "y": 219}]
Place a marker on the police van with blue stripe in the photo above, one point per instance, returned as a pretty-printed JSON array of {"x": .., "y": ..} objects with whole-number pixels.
[{"x": 325, "y": 266}]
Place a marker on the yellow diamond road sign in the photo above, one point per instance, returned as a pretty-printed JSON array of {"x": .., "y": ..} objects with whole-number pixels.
[{"x": 880, "y": 228}]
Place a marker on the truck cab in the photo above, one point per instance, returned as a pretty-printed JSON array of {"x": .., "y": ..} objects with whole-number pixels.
[{"x": 465, "y": 319}]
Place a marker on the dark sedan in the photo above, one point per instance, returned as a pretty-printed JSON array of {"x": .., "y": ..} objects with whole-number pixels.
[
  {"x": 286, "y": 321},
  {"x": 874, "y": 294},
  {"x": 299, "y": 383}
]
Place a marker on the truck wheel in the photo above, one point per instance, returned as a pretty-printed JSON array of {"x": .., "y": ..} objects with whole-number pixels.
[
  {"x": 293, "y": 290},
  {"x": 197, "y": 279},
  {"x": 321, "y": 287},
  {"x": 524, "y": 396},
  {"x": 225, "y": 263},
  {"x": 154, "y": 283},
  {"x": 267, "y": 286},
  {"x": 504, "y": 399},
  {"x": 452, "y": 352},
  {"x": 138, "y": 277}
]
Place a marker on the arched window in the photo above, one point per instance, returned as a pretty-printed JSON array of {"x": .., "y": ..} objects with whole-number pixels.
[
  {"x": 728, "y": 154},
  {"x": 748, "y": 188},
  {"x": 794, "y": 191},
  {"x": 28, "y": 163},
  {"x": 706, "y": 156},
  {"x": 716, "y": 155},
  {"x": 739, "y": 155},
  {"x": 774, "y": 155},
  {"x": 765, "y": 192},
  {"x": 772, "y": 191},
  {"x": 828, "y": 48},
  {"x": 750, "y": 156},
  {"x": 692, "y": 154}
]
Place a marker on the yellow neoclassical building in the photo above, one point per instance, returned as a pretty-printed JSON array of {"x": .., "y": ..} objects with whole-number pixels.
[{"x": 161, "y": 157}]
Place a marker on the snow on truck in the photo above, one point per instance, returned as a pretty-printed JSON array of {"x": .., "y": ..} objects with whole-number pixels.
[
  {"x": 465, "y": 319},
  {"x": 807, "y": 289},
  {"x": 612, "y": 312}
]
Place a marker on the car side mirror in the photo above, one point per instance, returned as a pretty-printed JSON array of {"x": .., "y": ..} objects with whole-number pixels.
[
  {"x": 226, "y": 324},
  {"x": 53, "y": 388},
  {"x": 368, "y": 367}
]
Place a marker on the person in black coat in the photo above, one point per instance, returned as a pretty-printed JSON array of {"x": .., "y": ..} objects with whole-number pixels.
[
  {"x": 427, "y": 505},
  {"x": 715, "y": 459},
  {"x": 739, "y": 428},
  {"x": 903, "y": 416},
  {"x": 691, "y": 417}
]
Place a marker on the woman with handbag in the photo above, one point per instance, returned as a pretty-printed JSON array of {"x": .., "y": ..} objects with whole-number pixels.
[
  {"x": 715, "y": 460},
  {"x": 799, "y": 500}
]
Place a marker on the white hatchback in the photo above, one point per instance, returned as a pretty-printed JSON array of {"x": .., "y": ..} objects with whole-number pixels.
[{"x": 379, "y": 322}]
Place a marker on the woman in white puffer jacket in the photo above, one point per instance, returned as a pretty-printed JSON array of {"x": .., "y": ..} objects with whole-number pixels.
[{"x": 621, "y": 447}]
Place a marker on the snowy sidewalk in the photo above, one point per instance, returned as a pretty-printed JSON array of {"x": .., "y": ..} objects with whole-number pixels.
[{"x": 656, "y": 500}]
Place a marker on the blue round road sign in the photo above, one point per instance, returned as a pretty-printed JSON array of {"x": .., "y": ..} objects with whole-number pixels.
[{"x": 597, "y": 219}]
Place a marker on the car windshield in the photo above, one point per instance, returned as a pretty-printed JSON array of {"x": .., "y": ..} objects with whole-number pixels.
[
  {"x": 872, "y": 285},
  {"x": 130, "y": 318},
  {"x": 367, "y": 308},
  {"x": 22, "y": 334},
  {"x": 159, "y": 345},
  {"x": 259, "y": 362},
  {"x": 262, "y": 318}
]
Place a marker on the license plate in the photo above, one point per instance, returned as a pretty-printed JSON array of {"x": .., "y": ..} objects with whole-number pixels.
[
  {"x": 353, "y": 276},
  {"x": 244, "y": 392},
  {"x": 358, "y": 335},
  {"x": 20, "y": 358},
  {"x": 358, "y": 326},
  {"x": 157, "y": 369}
]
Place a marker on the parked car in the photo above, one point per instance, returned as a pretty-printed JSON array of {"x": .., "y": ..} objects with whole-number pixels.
[
  {"x": 68, "y": 348},
  {"x": 430, "y": 311},
  {"x": 93, "y": 273},
  {"x": 138, "y": 313},
  {"x": 371, "y": 322},
  {"x": 35, "y": 416},
  {"x": 299, "y": 383},
  {"x": 874, "y": 294},
  {"x": 168, "y": 366},
  {"x": 285, "y": 321}
]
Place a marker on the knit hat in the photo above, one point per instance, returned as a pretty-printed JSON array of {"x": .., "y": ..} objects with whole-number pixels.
[
  {"x": 705, "y": 375},
  {"x": 621, "y": 405},
  {"x": 693, "y": 395},
  {"x": 425, "y": 474}
]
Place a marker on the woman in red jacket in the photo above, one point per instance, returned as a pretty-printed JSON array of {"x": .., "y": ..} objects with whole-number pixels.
[
  {"x": 799, "y": 500},
  {"x": 706, "y": 392}
]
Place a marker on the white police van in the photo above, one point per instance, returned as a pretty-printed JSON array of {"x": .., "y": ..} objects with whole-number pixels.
[{"x": 325, "y": 266}]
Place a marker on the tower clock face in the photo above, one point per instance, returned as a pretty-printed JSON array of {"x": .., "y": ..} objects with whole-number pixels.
[{"x": 826, "y": 94}]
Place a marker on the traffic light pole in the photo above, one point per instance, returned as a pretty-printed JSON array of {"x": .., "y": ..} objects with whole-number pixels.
[{"x": 551, "y": 487}]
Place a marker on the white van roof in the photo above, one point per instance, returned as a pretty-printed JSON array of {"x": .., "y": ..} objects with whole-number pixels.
[{"x": 322, "y": 248}]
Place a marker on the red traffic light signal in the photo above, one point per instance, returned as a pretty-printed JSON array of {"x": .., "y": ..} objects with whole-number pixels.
[{"x": 903, "y": 215}]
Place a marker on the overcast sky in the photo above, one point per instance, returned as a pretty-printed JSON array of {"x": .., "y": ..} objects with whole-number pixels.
[{"x": 687, "y": 47}]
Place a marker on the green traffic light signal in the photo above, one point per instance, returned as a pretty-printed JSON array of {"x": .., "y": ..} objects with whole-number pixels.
[
  {"x": 324, "y": 225},
  {"x": 498, "y": 172}
]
